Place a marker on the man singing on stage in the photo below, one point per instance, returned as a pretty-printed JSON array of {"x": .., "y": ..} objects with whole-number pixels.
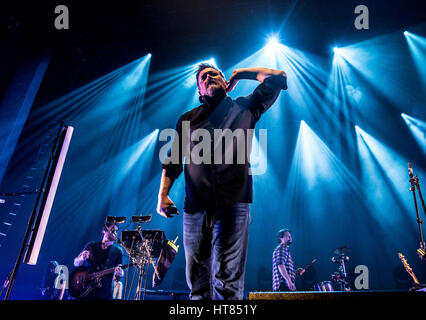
[{"x": 218, "y": 192}]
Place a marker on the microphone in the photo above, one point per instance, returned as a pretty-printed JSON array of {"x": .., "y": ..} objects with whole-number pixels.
[
  {"x": 117, "y": 220},
  {"x": 171, "y": 211},
  {"x": 410, "y": 171}
]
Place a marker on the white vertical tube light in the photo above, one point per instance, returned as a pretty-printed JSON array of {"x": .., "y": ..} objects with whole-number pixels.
[{"x": 40, "y": 225}]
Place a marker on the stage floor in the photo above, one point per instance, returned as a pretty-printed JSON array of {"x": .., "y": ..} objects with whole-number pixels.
[{"x": 334, "y": 295}]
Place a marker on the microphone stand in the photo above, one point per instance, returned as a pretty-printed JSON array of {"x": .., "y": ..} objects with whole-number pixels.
[
  {"x": 10, "y": 280},
  {"x": 140, "y": 261},
  {"x": 147, "y": 259},
  {"x": 414, "y": 180}
]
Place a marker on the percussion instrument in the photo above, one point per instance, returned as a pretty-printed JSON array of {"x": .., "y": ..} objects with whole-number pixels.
[{"x": 324, "y": 286}]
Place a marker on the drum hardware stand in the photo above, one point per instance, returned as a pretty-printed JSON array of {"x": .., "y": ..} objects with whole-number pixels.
[
  {"x": 146, "y": 260},
  {"x": 342, "y": 274},
  {"x": 141, "y": 257},
  {"x": 414, "y": 180}
]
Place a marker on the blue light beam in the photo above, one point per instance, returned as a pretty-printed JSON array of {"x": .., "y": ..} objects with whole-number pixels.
[{"x": 418, "y": 130}]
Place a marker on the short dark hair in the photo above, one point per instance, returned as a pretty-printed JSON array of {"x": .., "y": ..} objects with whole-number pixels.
[
  {"x": 205, "y": 65},
  {"x": 281, "y": 233}
]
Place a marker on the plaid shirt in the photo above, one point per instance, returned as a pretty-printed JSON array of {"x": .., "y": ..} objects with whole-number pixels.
[{"x": 281, "y": 255}]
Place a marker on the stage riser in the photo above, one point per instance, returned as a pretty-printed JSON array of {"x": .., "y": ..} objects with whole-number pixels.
[{"x": 329, "y": 296}]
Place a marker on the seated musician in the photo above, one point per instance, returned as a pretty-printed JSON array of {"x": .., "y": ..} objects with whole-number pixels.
[{"x": 102, "y": 255}]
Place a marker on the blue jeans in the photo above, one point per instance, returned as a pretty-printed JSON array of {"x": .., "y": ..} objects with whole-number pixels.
[{"x": 215, "y": 244}]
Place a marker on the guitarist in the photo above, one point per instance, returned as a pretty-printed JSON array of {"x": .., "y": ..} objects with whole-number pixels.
[{"x": 102, "y": 255}]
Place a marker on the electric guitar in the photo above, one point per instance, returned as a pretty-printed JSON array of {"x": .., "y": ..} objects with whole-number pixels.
[
  {"x": 82, "y": 281},
  {"x": 408, "y": 268}
]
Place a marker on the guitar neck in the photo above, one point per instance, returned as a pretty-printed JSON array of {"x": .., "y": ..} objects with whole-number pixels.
[
  {"x": 108, "y": 271},
  {"x": 416, "y": 281},
  {"x": 103, "y": 273},
  {"x": 408, "y": 268}
]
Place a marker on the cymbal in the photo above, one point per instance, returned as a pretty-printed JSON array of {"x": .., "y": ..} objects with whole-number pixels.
[{"x": 342, "y": 250}]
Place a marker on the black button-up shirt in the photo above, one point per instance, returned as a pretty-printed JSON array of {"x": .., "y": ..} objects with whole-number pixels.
[{"x": 220, "y": 183}]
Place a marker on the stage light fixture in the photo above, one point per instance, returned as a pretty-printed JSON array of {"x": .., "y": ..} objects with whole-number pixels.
[
  {"x": 211, "y": 61},
  {"x": 336, "y": 50},
  {"x": 405, "y": 33},
  {"x": 417, "y": 129},
  {"x": 273, "y": 44}
]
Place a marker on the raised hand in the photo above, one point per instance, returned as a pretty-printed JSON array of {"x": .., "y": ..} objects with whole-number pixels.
[{"x": 232, "y": 82}]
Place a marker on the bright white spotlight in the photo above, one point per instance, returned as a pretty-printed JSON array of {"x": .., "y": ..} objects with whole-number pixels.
[
  {"x": 337, "y": 50},
  {"x": 212, "y": 61},
  {"x": 405, "y": 33},
  {"x": 273, "y": 44},
  {"x": 149, "y": 55}
]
